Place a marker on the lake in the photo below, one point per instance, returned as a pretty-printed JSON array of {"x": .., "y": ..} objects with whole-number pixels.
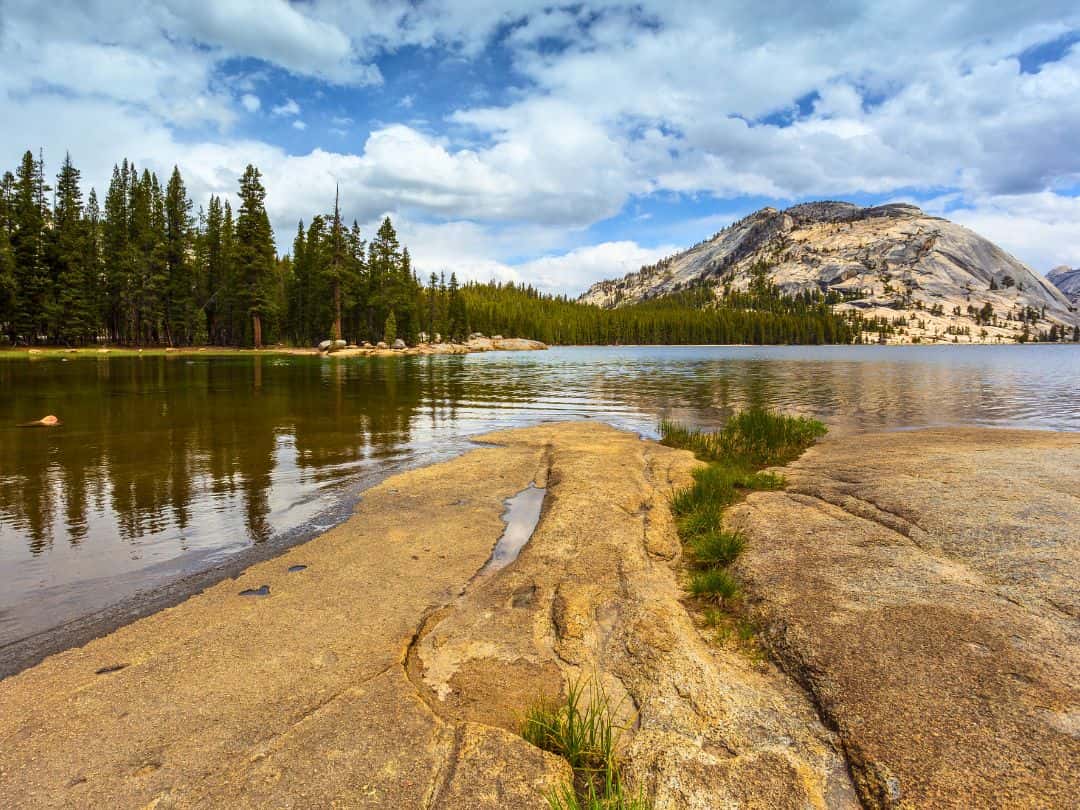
[{"x": 168, "y": 465}]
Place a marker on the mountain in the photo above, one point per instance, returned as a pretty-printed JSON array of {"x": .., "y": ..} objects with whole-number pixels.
[
  {"x": 930, "y": 278},
  {"x": 1068, "y": 281}
]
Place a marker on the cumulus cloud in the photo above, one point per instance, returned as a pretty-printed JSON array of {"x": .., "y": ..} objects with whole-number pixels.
[
  {"x": 605, "y": 103},
  {"x": 1042, "y": 228}
]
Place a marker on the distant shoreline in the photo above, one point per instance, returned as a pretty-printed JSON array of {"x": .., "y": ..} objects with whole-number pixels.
[{"x": 45, "y": 352}]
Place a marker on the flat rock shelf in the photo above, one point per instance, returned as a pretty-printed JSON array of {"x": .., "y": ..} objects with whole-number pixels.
[{"x": 379, "y": 669}]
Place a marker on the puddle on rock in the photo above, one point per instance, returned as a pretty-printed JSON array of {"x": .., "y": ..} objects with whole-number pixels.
[{"x": 521, "y": 516}]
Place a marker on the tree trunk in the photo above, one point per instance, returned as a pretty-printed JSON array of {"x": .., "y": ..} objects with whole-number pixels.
[
  {"x": 256, "y": 324},
  {"x": 337, "y": 310}
]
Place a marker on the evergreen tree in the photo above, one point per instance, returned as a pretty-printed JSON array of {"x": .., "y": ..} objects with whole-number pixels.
[
  {"x": 8, "y": 285},
  {"x": 254, "y": 251},
  {"x": 456, "y": 311},
  {"x": 336, "y": 270},
  {"x": 28, "y": 248},
  {"x": 181, "y": 285},
  {"x": 390, "y": 329},
  {"x": 73, "y": 316},
  {"x": 116, "y": 253}
]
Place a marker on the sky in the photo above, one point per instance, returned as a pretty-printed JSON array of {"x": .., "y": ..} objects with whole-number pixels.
[{"x": 562, "y": 144}]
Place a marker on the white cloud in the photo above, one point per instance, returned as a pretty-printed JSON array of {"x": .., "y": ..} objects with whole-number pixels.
[
  {"x": 1043, "y": 229},
  {"x": 300, "y": 125},
  {"x": 673, "y": 98},
  {"x": 571, "y": 273},
  {"x": 287, "y": 107},
  {"x": 276, "y": 31}
]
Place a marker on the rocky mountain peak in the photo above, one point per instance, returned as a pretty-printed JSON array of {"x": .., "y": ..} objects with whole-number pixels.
[
  {"x": 1066, "y": 279},
  {"x": 934, "y": 279}
]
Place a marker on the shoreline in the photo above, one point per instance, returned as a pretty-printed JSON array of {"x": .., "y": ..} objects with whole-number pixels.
[
  {"x": 427, "y": 350},
  {"x": 473, "y": 346},
  {"x": 241, "y": 700}
]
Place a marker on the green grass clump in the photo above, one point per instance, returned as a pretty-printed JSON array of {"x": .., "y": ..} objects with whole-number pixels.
[
  {"x": 718, "y": 486},
  {"x": 716, "y": 582},
  {"x": 752, "y": 439},
  {"x": 716, "y": 547},
  {"x": 582, "y": 730}
]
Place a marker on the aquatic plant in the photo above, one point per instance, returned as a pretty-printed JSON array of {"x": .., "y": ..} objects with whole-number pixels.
[{"x": 753, "y": 438}]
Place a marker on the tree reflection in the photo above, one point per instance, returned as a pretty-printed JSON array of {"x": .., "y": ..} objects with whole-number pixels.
[{"x": 154, "y": 446}]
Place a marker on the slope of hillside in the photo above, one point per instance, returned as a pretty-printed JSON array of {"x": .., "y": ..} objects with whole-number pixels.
[
  {"x": 932, "y": 279},
  {"x": 1068, "y": 281}
]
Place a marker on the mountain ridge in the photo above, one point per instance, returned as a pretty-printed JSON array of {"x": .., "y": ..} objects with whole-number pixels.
[
  {"x": 927, "y": 278},
  {"x": 1066, "y": 279}
]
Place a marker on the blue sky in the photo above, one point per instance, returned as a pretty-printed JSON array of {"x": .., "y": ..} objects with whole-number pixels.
[{"x": 563, "y": 144}]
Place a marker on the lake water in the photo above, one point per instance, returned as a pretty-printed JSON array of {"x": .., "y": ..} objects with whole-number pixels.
[{"x": 164, "y": 465}]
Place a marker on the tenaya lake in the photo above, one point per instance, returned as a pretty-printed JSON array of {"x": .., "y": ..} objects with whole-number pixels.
[{"x": 164, "y": 466}]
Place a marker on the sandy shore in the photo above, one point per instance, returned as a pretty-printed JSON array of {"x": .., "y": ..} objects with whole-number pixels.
[{"x": 385, "y": 666}]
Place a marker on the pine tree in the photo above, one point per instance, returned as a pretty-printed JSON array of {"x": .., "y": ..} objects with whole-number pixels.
[
  {"x": 74, "y": 316},
  {"x": 390, "y": 329},
  {"x": 254, "y": 250},
  {"x": 28, "y": 248},
  {"x": 337, "y": 268},
  {"x": 116, "y": 253},
  {"x": 8, "y": 286},
  {"x": 181, "y": 278},
  {"x": 457, "y": 313}
]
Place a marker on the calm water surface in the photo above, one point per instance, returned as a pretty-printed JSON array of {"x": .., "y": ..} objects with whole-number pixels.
[{"x": 164, "y": 465}]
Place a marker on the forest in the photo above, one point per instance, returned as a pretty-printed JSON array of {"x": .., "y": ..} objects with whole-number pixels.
[{"x": 143, "y": 268}]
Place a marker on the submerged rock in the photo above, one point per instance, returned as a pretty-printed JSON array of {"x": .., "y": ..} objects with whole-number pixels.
[{"x": 45, "y": 421}]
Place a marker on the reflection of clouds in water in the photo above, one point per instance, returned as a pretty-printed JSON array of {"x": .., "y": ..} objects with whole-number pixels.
[{"x": 159, "y": 458}]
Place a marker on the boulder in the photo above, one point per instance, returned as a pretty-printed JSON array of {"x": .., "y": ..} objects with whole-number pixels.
[
  {"x": 339, "y": 344},
  {"x": 381, "y": 345},
  {"x": 496, "y": 337},
  {"x": 324, "y": 346},
  {"x": 399, "y": 344},
  {"x": 45, "y": 421}
]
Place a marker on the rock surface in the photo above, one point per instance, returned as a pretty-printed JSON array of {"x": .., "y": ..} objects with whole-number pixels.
[
  {"x": 889, "y": 259},
  {"x": 1067, "y": 280},
  {"x": 923, "y": 586},
  {"x": 389, "y": 672}
]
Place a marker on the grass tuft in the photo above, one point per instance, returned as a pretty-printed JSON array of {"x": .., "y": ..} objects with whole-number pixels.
[
  {"x": 752, "y": 439},
  {"x": 582, "y": 730},
  {"x": 716, "y": 547},
  {"x": 716, "y": 582}
]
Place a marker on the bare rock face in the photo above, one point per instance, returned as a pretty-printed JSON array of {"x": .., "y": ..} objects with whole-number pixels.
[
  {"x": 923, "y": 587},
  {"x": 1067, "y": 280},
  {"x": 595, "y": 595},
  {"x": 890, "y": 261},
  {"x": 388, "y": 667}
]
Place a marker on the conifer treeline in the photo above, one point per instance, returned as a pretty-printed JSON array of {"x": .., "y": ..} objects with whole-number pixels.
[
  {"x": 695, "y": 316},
  {"x": 141, "y": 269}
]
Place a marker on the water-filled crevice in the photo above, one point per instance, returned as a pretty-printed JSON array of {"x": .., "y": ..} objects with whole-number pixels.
[{"x": 521, "y": 517}]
